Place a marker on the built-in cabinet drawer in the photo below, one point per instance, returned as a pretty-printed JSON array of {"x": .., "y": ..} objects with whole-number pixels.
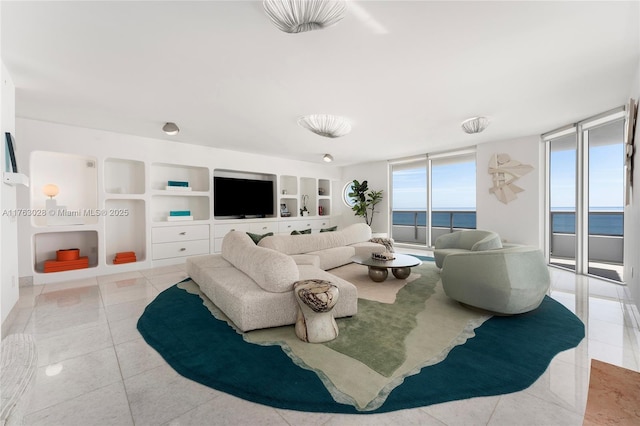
[
  {"x": 180, "y": 249},
  {"x": 168, "y": 234},
  {"x": 220, "y": 231},
  {"x": 264, "y": 227},
  {"x": 179, "y": 241}
]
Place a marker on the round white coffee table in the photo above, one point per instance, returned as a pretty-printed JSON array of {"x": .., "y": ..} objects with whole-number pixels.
[{"x": 379, "y": 269}]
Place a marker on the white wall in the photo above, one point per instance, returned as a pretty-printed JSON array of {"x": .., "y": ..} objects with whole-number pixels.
[
  {"x": 632, "y": 215},
  {"x": 377, "y": 176},
  {"x": 521, "y": 220},
  {"x": 9, "y": 289},
  {"x": 42, "y": 136}
]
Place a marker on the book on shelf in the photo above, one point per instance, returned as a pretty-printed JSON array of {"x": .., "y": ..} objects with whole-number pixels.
[
  {"x": 178, "y": 218},
  {"x": 177, "y": 188},
  {"x": 180, "y": 213},
  {"x": 180, "y": 183}
]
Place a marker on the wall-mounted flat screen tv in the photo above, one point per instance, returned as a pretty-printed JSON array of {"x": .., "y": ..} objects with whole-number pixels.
[{"x": 242, "y": 197}]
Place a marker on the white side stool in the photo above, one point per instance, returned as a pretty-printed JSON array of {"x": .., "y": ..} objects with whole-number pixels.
[{"x": 316, "y": 299}]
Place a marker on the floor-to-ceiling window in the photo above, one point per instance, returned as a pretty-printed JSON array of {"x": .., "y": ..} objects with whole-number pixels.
[
  {"x": 432, "y": 195},
  {"x": 586, "y": 196}
]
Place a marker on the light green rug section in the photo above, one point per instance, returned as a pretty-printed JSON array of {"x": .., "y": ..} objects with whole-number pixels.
[
  {"x": 376, "y": 335},
  {"x": 436, "y": 324}
]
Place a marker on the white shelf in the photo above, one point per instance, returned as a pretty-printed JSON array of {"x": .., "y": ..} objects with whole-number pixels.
[
  {"x": 123, "y": 176},
  {"x": 197, "y": 177},
  {"x": 125, "y": 228},
  {"x": 15, "y": 179}
]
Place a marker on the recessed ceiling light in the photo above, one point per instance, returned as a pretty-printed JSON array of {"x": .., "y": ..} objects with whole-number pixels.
[
  {"x": 170, "y": 129},
  {"x": 327, "y": 158}
]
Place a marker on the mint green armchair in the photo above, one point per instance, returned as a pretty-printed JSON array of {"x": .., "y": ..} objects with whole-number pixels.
[
  {"x": 505, "y": 281},
  {"x": 463, "y": 242}
]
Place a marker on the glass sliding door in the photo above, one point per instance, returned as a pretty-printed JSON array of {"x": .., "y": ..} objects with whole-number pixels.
[
  {"x": 606, "y": 199},
  {"x": 585, "y": 200},
  {"x": 409, "y": 201},
  {"x": 562, "y": 200},
  {"x": 453, "y": 194}
]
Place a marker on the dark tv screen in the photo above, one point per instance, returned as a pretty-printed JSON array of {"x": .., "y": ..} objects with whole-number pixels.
[{"x": 242, "y": 197}]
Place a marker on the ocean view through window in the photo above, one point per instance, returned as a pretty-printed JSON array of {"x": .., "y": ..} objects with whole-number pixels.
[
  {"x": 451, "y": 191},
  {"x": 586, "y": 198}
]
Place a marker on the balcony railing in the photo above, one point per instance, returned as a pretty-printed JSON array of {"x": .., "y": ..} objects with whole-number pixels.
[{"x": 606, "y": 231}]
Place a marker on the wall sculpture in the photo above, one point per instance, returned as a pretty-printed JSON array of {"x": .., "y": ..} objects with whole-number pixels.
[{"x": 505, "y": 172}]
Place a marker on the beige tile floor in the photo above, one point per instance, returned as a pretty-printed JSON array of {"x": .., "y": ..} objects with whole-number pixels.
[{"x": 95, "y": 369}]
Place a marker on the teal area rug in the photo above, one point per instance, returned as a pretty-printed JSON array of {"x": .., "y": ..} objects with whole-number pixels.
[{"x": 506, "y": 354}]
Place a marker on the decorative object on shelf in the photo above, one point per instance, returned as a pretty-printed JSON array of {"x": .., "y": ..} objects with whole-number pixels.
[
  {"x": 177, "y": 185},
  {"x": 179, "y": 218},
  {"x": 180, "y": 213},
  {"x": 505, "y": 171},
  {"x": 284, "y": 210},
  {"x": 364, "y": 203},
  {"x": 171, "y": 129},
  {"x": 320, "y": 210},
  {"x": 58, "y": 215},
  {"x": 383, "y": 256},
  {"x": 321, "y": 191},
  {"x": 124, "y": 257},
  {"x": 66, "y": 260},
  {"x": 284, "y": 192},
  {"x": 304, "y": 211},
  {"x": 327, "y": 158},
  {"x": 475, "y": 124},
  {"x": 630, "y": 149},
  {"x": 296, "y": 16},
  {"x": 329, "y": 126}
]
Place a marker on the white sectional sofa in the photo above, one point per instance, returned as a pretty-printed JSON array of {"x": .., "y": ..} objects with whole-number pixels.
[{"x": 253, "y": 284}]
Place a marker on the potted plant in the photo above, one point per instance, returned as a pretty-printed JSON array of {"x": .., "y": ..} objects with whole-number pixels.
[{"x": 364, "y": 203}]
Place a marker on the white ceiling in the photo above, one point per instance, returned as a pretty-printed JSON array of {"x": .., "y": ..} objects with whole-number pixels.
[{"x": 404, "y": 73}]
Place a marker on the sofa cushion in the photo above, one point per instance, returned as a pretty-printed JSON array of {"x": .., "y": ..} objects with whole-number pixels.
[
  {"x": 329, "y": 229},
  {"x": 273, "y": 271},
  {"x": 304, "y": 231},
  {"x": 257, "y": 237},
  {"x": 333, "y": 257},
  {"x": 356, "y": 233},
  {"x": 300, "y": 244}
]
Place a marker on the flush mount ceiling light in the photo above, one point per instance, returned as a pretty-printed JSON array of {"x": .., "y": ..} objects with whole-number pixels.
[
  {"x": 170, "y": 129},
  {"x": 475, "y": 124},
  {"x": 329, "y": 126},
  {"x": 328, "y": 158},
  {"x": 296, "y": 16}
]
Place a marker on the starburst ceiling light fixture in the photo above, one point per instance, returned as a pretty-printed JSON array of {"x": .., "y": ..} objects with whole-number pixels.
[
  {"x": 296, "y": 16},
  {"x": 329, "y": 126},
  {"x": 327, "y": 158},
  {"x": 475, "y": 124},
  {"x": 170, "y": 129}
]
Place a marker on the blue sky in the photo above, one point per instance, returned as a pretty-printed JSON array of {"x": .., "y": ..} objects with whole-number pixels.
[
  {"x": 454, "y": 187},
  {"x": 606, "y": 177}
]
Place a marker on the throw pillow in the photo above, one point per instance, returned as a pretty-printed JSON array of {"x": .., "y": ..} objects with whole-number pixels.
[
  {"x": 304, "y": 231},
  {"x": 257, "y": 237},
  {"x": 331, "y": 229}
]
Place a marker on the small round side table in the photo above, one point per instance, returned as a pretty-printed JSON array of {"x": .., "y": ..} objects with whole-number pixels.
[{"x": 316, "y": 299}]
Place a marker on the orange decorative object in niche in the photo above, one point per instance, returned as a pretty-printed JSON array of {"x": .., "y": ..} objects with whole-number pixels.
[{"x": 124, "y": 257}]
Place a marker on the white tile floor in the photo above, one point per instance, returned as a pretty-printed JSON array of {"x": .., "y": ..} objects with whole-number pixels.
[{"x": 95, "y": 369}]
